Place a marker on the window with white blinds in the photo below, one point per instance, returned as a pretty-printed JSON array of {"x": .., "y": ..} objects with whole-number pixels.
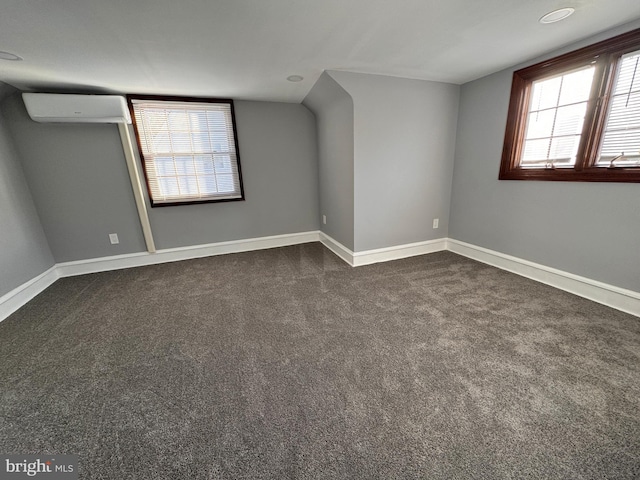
[
  {"x": 576, "y": 117},
  {"x": 621, "y": 138},
  {"x": 188, "y": 148}
]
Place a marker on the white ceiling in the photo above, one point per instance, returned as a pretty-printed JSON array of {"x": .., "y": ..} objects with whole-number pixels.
[{"x": 245, "y": 49}]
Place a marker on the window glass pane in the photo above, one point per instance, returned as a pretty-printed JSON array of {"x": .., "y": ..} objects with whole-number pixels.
[
  {"x": 180, "y": 142},
  {"x": 536, "y": 152},
  {"x": 207, "y": 184},
  {"x": 219, "y": 142},
  {"x": 545, "y": 94},
  {"x": 569, "y": 119},
  {"x": 200, "y": 142},
  {"x": 160, "y": 143},
  {"x": 188, "y": 148},
  {"x": 215, "y": 119},
  {"x": 178, "y": 120},
  {"x": 621, "y": 139},
  {"x": 165, "y": 166},
  {"x": 540, "y": 124},
  {"x": 157, "y": 120},
  {"x": 168, "y": 186},
  {"x": 556, "y": 116},
  {"x": 576, "y": 86},
  {"x": 185, "y": 166},
  {"x": 223, "y": 164},
  {"x": 225, "y": 183},
  {"x": 627, "y": 78},
  {"x": 621, "y": 143},
  {"x": 198, "y": 120},
  {"x": 563, "y": 150},
  {"x": 204, "y": 164},
  {"x": 188, "y": 185}
]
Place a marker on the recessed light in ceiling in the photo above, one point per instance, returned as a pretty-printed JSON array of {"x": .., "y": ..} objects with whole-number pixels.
[
  {"x": 557, "y": 15},
  {"x": 9, "y": 56},
  {"x": 295, "y": 78}
]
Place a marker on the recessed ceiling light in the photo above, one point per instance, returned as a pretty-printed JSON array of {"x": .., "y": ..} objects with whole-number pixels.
[
  {"x": 9, "y": 56},
  {"x": 557, "y": 15},
  {"x": 295, "y": 78}
]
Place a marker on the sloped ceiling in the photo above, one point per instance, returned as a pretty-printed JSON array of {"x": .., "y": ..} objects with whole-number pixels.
[{"x": 245, "y": 49}]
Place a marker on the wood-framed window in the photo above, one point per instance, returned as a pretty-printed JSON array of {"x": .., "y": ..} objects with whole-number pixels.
[
  {"x": 576, "y": 117},
  {"x": 188, "y": 147}
]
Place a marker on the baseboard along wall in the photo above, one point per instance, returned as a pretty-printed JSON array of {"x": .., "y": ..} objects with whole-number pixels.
[
  {"x": 368, "y": 257},
  {"x": 19, "y": 296},
  {"x": 621, "y": 299}
]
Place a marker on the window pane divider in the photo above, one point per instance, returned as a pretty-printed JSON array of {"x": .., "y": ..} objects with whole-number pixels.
[{"x": 606, "y": 57}]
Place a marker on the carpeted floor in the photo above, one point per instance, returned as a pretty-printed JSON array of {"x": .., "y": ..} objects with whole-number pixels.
[{"x": 289, "y": 364}]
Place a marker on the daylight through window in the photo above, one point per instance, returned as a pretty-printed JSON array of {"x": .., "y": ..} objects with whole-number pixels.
[
  {"x": 577, "y": 117},
  {"x": 621, "y": 139},
  {"x": 556, "y": 114},
  {"x": 188, "y": 148}
]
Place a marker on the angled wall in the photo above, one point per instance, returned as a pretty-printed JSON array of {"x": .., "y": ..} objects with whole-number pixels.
[
  {"x": 404, "y": 138},
  {"x": 80, "y": 185},
  {"x": 24, "y": 251},
  {"x": 333, "y": 108}
]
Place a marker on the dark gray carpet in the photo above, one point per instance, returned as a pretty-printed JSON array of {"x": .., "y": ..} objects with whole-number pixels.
[{"x": 289, "y": 364}]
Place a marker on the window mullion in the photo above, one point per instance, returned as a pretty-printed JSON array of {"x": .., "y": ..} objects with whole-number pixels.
[
  {"x": 524, "y": 148},
  {"x": 596, "y": 116}
]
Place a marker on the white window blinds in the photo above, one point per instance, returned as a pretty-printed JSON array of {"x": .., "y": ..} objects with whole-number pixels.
[
  {"x": 621, "y": 139},
  {"x": 555, "y": 119},
  {"x": 189, "y": 150}
]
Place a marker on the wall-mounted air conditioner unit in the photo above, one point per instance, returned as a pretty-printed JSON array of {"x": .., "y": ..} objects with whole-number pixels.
[{"x": 66, "y": 108}]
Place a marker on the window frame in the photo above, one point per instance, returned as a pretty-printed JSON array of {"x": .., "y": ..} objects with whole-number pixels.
[
  {"x": 605, "y": 56},
  {"x": 167, "y": 98}
]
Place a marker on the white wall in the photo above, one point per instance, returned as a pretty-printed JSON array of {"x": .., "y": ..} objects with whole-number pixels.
[
  {"x": 404, "y": 138},
  {"x": 589, "y": 229}
]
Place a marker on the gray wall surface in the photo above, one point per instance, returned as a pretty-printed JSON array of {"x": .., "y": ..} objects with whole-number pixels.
[
  {"x": 80, "y": 185},
  {"x": 333, "y": 108},
  {"x": 404, "y": 149},
  {"x": 279, "y": 161},
  {"x": 24, "y": 251},
  {"x": 589, "y": 229}
]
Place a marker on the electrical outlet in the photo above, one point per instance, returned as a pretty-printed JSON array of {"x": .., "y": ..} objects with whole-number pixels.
[
  {"x": 324, "y": 219},
  {"x": 436, "y": 221},
  {"x": 113, "y": 238}
]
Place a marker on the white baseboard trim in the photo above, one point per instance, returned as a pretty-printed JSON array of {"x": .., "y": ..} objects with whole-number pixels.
[
  {"x": 19, "y": 296},
  {"x": 118, "y": 262},
  {"x": 615, "y": 297},
  {"x": 621, "y": 299},
  {"x": 367, "y": 257},
  {"x": 336, "y": 247}
]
